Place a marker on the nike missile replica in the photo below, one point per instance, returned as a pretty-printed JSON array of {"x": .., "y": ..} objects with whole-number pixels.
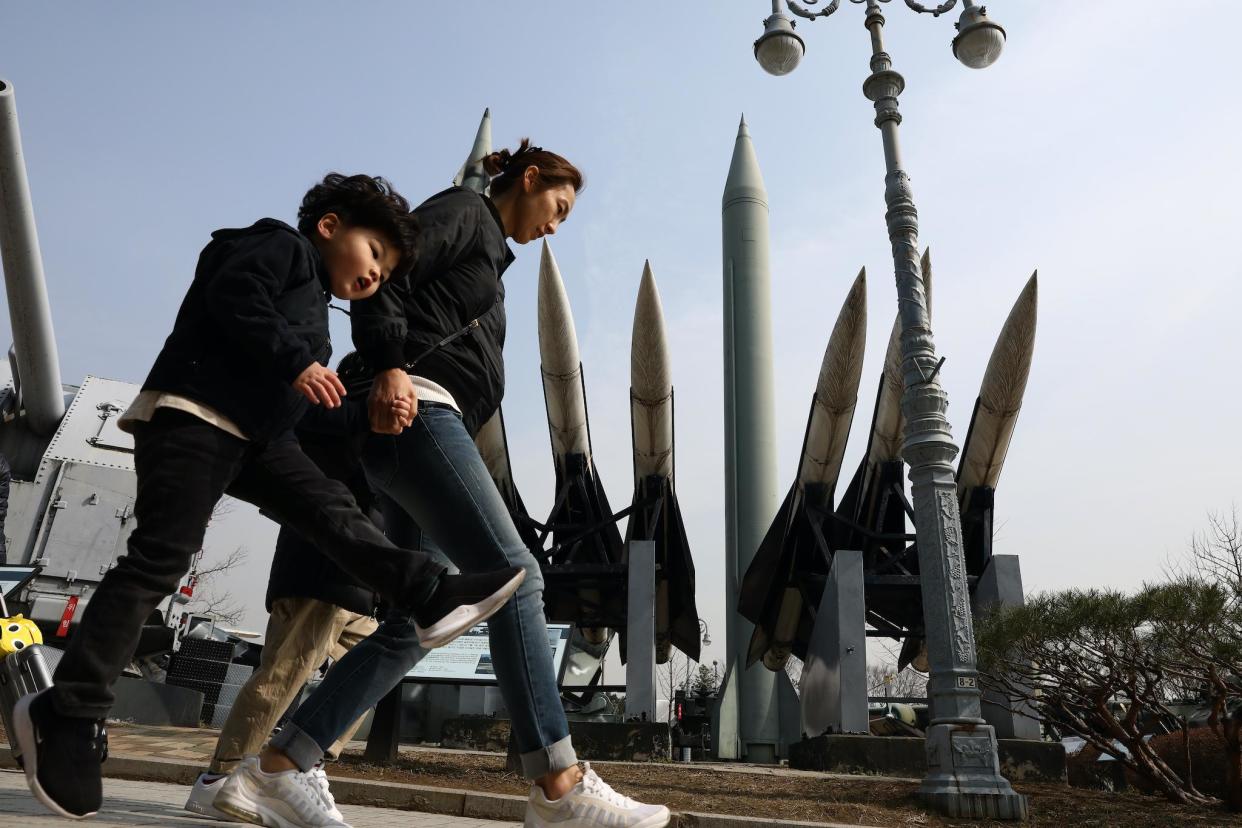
[
  {"x": 862, "y": 502},
  {"x": 983, "y": 452},
  {"x": 491, "y": 440},
  {"x": 493, "y": 445},
  {"x": 581, "y": 522},
  {"x": 656, "y": 515},
  {"x": 472, "y": 174},
  {"x": 774, "y": 588},
  {"x": 992, "y": 425},
  {"x": 1000, "y": 396}
]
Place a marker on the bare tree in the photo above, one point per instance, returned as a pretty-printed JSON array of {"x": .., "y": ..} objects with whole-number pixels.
[
  {"x": 1216, "y": 552},
  {"x": 884, "y": 679},
  {"x": 210, "y": 598}
]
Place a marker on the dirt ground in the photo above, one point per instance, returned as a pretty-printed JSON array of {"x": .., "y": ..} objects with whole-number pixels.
[
  {"x": 887, "y": 804},
  {"x": 699, "y": 787}
]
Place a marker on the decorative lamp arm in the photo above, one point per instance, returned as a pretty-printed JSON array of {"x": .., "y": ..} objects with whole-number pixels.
[
  {"x": 936, "y": 12},
  {"x": 811, "y": 15}
]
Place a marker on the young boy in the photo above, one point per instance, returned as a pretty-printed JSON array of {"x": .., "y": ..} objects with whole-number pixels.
[{"x": 246, "y": 356}]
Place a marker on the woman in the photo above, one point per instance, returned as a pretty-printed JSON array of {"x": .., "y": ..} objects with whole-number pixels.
[{"x": 429, "y": 466}]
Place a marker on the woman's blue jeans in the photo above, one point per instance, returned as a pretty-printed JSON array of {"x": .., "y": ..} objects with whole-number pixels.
[{"x": 434, "y": 473}]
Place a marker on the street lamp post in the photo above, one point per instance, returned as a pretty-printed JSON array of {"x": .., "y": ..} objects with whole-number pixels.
[
  {"x": 963, "y": 774},
  {"x": 706, "y": 639}
]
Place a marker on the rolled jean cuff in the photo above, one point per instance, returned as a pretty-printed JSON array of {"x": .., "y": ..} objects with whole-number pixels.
[
  {"x": 536, "y": 763},
  {"x": 296, "y": 744}
]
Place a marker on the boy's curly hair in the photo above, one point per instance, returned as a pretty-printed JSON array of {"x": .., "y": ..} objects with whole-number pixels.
[{"x": 364, "y": 201}]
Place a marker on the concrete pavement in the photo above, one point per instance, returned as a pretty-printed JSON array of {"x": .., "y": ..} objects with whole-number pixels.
[{"x": 156, "y": 804}]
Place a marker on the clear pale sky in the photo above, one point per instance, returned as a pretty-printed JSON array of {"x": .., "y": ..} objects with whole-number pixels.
[{"x": 1100, "y": 149}]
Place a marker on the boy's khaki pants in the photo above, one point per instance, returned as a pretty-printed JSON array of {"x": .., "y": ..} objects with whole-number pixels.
[{"x": 301, "y": 633}]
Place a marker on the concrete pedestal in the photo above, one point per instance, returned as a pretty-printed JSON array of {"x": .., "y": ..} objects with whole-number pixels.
[
  {"x": 834, "y": 677},
  {"x": 1001, "y": 585},
  {"x": 640, "y": 677}
]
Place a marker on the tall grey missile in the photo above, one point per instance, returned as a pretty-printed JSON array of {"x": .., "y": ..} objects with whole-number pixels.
[
  {"x": 472, "y": 174},
  {"x": 581, "y": 516},
  {"x": 749, "y": 711},
  {"x": 656, "y": 515},
  {"x": 772, "y": 592}
]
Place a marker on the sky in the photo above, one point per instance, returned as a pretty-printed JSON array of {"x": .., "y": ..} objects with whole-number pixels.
[{"x": 1098, "y": 150}]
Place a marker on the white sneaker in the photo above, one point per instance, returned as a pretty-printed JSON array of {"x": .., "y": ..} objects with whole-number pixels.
[
  {"x": 204, "y": 794},
  {"x": 591, "y": 803},
  {"x": 289, "y": 799},
  {"x": 319, "y": 777}
]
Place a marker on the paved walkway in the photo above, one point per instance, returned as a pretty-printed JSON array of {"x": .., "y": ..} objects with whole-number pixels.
[{"x": 154, "y": 804}]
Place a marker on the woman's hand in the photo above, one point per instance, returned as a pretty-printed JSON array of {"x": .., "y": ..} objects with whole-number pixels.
[
  {"x": 320, "y": 385},
  {"x": 393, "y": 403}
]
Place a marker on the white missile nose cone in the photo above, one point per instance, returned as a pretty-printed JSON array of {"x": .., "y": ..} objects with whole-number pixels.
[
  {"x": 558, "y": 340},
  {"x": 841, "y": 370},
  {"x": 744, "y": 181},
  {"x": 650, "y": 378},
  {"x": 1004, "y": 380}
]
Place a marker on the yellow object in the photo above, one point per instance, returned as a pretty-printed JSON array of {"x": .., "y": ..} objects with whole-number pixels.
[{"x": 18, "y": 633}]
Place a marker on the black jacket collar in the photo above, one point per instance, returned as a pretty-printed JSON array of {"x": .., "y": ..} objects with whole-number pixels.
[{"x": 509, "y": 257}]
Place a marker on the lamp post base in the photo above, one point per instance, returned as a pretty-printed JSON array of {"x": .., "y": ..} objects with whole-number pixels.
[{"x": 963, "y": 776}]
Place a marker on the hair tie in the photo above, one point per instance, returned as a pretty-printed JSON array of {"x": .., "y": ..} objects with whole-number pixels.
[{"x": 515, "y": 156}]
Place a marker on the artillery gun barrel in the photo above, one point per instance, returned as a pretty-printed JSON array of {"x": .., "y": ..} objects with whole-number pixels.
[{"x": 38, "y": 365}]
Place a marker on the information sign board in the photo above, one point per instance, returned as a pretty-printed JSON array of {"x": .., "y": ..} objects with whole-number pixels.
[{"x": 468, "y": 660}]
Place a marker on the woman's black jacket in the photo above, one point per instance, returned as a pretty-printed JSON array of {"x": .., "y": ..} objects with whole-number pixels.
[{"x": 455, "y": 279}]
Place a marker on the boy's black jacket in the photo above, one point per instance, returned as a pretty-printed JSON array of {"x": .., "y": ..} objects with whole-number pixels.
[
  {"x": 255, "y": 316},
  {"x": 456, "y": 278}
]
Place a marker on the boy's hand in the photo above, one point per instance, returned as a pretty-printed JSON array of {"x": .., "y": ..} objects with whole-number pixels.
[
  {"x": 320, "y": 385},
  {"x": 403, "y": 411},
  {"x": 393, "y": 402}
]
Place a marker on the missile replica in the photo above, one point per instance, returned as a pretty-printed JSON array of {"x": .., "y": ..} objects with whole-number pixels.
[
  {"x": 992, "y": 424},
  {"x": 867, "y": 501},
  {"x": 491, "y": 440},
  {"x": 585, "y": 584},
  {"x": 784, "y": 585},
  {"x": 655, "y": 514},
  {"x": 983, "y": 452},
  {"x": 493, "y": 447},
  {"x": 775, "y": 594}
]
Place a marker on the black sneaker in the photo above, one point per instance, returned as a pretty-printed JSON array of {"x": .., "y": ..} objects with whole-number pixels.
[
  {"x": 62, "y": 755},
  {"x": 461, "y": 601}
]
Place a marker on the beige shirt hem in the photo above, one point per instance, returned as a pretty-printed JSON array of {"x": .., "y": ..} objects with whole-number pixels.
[{"x": 143, "y": 408}]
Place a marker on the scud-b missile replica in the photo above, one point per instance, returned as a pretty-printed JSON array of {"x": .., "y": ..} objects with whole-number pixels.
[{"x": 798, "y": 590}]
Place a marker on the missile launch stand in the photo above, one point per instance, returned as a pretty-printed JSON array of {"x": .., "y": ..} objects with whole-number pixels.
[{"x": 862, "y": 584}]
